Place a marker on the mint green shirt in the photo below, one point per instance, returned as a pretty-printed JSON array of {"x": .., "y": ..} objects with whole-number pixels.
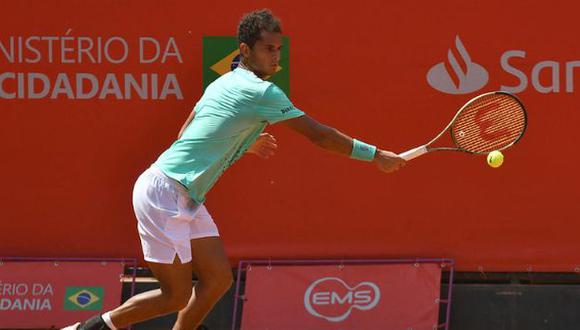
[{"x": 229, "y": 117}]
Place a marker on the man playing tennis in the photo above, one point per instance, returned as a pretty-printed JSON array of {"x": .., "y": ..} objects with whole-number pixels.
[{"x": 177, "y": 233}]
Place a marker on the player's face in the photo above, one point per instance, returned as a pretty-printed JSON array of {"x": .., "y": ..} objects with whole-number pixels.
[{"x": 264, "y": 57}]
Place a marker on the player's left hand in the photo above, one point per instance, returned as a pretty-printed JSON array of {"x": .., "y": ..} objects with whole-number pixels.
[{"x": 264, "y": 146}]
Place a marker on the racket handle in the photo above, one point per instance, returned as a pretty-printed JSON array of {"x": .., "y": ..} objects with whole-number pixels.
[{"x": 414, "y": 153}]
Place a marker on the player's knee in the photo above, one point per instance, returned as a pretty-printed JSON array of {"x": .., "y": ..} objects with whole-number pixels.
[
  {"x": 221, "y": 282},
  {"x": 181, "y": 303},
  {"x": 176, "y": 300},
  {"x": 227, "y": 282}
]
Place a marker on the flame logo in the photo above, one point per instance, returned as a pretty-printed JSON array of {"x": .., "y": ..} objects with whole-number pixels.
[
  {"x": 458, "y": 75},
  {"x": 332, "y": 299}
]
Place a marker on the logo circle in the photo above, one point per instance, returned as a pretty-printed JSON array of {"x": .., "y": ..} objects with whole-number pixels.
[{"x": 83, "y": 298}]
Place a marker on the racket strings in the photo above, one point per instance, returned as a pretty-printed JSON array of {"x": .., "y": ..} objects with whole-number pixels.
[
  {"x": 471, "y": 138},
  {"x": 505, "y": 130},
  {"x": 494, "y": 130},
  {"x": 492, "y": 122}
]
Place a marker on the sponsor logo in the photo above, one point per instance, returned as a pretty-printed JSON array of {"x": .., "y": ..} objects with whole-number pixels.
[
  {"x": 459, "y": 75},
  {"x": 332, "y": 299},
  {"x": 83, "y": 298},
  {"x": 222, "y": 55},
  {"x": 287, "y": 109}
]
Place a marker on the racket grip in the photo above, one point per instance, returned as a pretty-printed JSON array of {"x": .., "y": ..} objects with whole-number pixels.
[{"x": 414, "y": 153}]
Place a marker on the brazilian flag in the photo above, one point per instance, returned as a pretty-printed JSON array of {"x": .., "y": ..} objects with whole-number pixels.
[
  {"x": 87, "y": 298},
  {"x": 221, "y": 55}
]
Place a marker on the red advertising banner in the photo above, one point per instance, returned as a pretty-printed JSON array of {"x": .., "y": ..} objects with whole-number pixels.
[
  {"x": 55, "y": 294},
  {"x": 377, "y": 296},
  {"x": 97, "y": 90}
]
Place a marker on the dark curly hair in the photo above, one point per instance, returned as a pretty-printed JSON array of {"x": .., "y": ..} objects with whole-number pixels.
[{"x": 252, "y": 24}]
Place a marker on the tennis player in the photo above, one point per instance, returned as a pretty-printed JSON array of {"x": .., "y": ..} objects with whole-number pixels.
[{"x": 178, "y": 235}]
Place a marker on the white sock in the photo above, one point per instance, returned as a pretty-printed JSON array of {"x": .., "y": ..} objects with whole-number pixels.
[{"x": 107, "y": 318}]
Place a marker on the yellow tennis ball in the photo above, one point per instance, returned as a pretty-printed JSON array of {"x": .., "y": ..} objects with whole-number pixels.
[{"x": 495, "y": 159}]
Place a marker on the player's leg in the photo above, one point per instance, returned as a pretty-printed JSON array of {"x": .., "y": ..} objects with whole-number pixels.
[
  {"x": 173, "y": 295},
  {"x": 161, "y": 228},
  {"x": 214, "y": 274}
]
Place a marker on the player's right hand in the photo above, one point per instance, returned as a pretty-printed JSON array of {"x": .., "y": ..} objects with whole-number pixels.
[{"x": 388, "y": 161}]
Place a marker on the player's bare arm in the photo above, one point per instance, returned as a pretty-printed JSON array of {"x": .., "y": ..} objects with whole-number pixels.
[{"x": 333, "y": 140}]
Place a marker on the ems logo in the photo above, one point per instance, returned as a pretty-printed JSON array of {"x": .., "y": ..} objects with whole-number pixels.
[
  {"x": 459, "y": 74},
  {"x": 221, "y": 55},
  {"x": 332, "y": 299},
  {"x": 83, "y": 298}
]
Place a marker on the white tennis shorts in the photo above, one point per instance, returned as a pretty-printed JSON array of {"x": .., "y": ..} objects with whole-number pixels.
[{"x": 168, "y": 218}]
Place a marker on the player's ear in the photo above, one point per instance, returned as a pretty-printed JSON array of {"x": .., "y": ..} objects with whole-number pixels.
[{"x": 244, "y": 49}]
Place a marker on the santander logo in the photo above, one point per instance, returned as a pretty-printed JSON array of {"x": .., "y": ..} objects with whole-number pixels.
[
  {"x": 332, "y": 299},
  {"x": 460, "y": 75}
]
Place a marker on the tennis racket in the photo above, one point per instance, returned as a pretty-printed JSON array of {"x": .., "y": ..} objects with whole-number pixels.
[{"x": 488, "y": 122}]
